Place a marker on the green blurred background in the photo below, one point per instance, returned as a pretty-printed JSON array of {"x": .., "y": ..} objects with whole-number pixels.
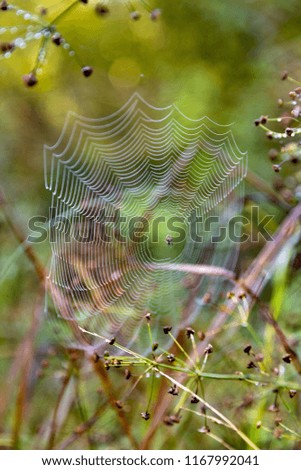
[{"x": 217, "y": 58}]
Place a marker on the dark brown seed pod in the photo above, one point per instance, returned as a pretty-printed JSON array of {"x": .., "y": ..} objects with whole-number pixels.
[
  {"x": 269, "y": 135},
  {"x": 208, "y": 349},
  {"x": 30, "y": 79},
  {"x": 167, "y": 329},
  {"x": 247, "y": 349},
  {"x": 189, "y": 332},
  {"x": 101, "y": 9},
  {"x": 111, "y": 341},
  {"x": 171, "y": 358},
  {"x": 4, "y": 5},
  {"x": 135, "y": 15},
  {"x": 276, "y": 168},
  {"x": 168, "y": 421},
  {"x": 57, "y": 39},
  {"x": 173, "y": 390},
  {"x": 194, "y": 400},
  {"x": 289, "y": 131},
  {"x": 287, "y": 358},
  {"x": 251, "y": 365},
  {"x": 6, "y": 46},
  {"x": 155, "y": 346},
  {"x": 87, "y": 71}
]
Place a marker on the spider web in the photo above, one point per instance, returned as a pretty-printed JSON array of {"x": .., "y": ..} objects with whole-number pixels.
[{"x": 160, "y": 171}]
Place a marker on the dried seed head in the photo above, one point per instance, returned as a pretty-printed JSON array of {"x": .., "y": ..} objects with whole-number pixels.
[
  {"x": 194, "y": 400},
  {"x": 119, "y": 404},
  {"x": 269, "y": 135},
  {"x": 204, "y": 429},
  {"x": 171, "y": 358},
  {"x": 135, "y": 15},
  {"x": 173, "y": 390},
  {"x": 292, "y": 393},
  {"x": 276, "y": 168},
  {"x": 87, "y": 71},
  {"x": 30, "y": 79},
  {"x": 7, "y": 46},
  {"x": 101, "y": 9},
  {"x": 155, "y": 14},
  {"x": 4, "y": 5},
  {"x": 289, "y": 131},
  {"x": 247, "y": 349},
  {"x": 287, "y": 358},
  {"x": 168, "y": 421},
  {"x": 189, "y": 332},
  {"x": 261, "y": 120},
  {"x": 167, "y": 329},
  {"x": 155, "y": 346},
  {"x": 208, "y": 349},
  {"x": 251, "y": 365},
  {"x": 145, "y": 415},
  {"x": 57, "y": 39},
  {"x": 127, "y": 374},
  {"x": 284, "y": 75}
]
